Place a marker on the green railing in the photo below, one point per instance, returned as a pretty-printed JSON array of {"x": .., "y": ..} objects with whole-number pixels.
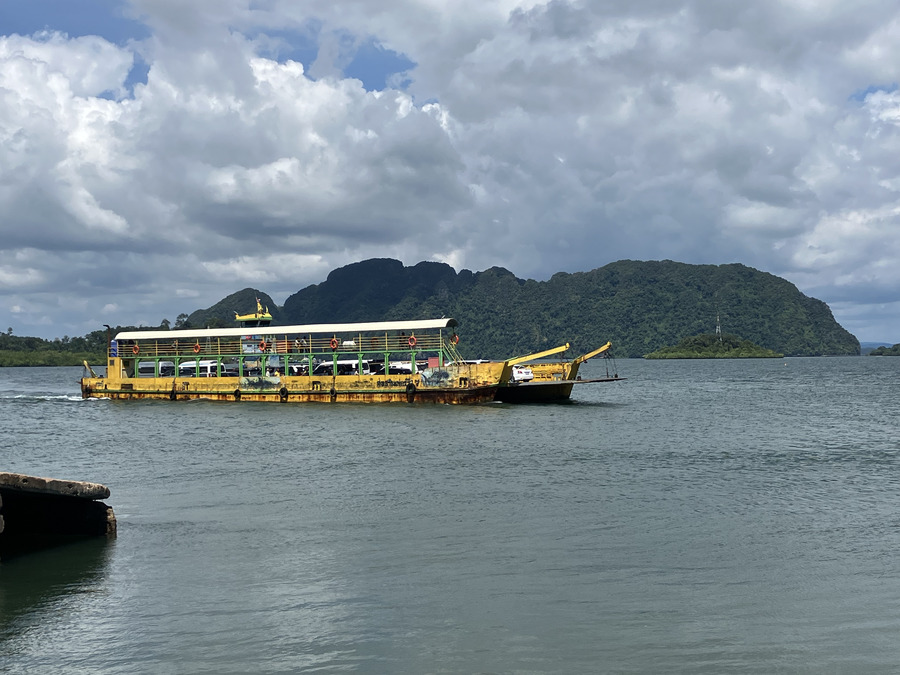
[{"x": 292, "y": 354}]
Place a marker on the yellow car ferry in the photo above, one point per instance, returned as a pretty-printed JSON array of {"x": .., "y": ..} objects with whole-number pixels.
[{"x": 388, "y": 361}]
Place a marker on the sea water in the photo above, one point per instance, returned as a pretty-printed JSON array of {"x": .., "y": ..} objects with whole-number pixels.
[{"x": 698, "y": 517}]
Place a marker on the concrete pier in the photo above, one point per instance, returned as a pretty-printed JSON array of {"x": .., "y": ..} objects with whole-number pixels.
[{"x": 37, "y": 513}]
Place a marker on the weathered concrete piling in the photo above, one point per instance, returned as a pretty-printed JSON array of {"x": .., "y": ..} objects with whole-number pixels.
[{"x": 38, "y": 512}]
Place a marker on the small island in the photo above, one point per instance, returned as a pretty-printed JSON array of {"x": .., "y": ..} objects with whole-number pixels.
[
  {"x": 886, "y": 351},
  {"x": 709, "y": 346}
]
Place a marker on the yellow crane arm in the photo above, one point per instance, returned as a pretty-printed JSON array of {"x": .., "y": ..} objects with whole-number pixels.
[
  {"x": 531, "y": 357},
  {"x": 89, "y": 369},
  {"x": 590, "y": 355}
]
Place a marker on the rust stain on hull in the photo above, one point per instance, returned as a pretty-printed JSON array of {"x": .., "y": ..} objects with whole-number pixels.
[{"x": 289, "y": 394}]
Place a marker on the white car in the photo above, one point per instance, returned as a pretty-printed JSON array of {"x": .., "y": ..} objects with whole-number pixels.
[{"x": 522, "y": 374}]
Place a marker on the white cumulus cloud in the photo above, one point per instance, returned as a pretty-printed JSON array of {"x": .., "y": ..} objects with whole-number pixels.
[{"x": 540, "y": 136}]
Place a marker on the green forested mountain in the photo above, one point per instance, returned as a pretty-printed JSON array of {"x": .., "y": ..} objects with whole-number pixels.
[{"x": 639, "y": 306}]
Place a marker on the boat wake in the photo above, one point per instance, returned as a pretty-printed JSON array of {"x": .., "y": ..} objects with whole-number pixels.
[{"x": 43, "y": 397}]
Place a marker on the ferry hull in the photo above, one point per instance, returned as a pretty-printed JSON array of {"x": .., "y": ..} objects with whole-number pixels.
[
  {"x": 546, "y": 391},
  {"x": 535, "y": 392},
  {"x": 217, "y": 389}
]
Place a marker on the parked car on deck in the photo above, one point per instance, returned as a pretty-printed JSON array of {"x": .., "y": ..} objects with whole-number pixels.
[{"x": 522, "y": 374}]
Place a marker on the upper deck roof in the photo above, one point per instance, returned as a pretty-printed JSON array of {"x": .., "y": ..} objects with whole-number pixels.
[{"x": 307, "y": 329}]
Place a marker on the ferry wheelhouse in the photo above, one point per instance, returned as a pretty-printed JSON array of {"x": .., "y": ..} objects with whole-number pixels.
[{"x": 388, "y": 361}]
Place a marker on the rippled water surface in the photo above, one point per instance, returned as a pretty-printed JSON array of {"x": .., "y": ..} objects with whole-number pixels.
[{"x": 700, "y": 517}]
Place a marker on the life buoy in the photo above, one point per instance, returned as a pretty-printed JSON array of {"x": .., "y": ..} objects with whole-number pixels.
[
  {"x": 334, "y": 343},
  {"x": 196, "y": 347},
  {"x": 263, "y": 346},
  {"x": 135, "y": 350},
  {"x": 412, "y": 341},
  {"x": 454, "y": 339}
]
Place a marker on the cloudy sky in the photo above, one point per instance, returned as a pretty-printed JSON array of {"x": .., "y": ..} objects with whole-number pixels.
[{"x": 157, "y": 155}]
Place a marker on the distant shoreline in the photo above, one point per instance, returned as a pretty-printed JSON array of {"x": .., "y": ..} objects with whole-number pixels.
[{"x": 18, "y": 358}]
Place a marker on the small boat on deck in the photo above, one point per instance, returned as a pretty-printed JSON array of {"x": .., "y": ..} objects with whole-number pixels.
[
  {"x": 378, "y": 362},
  {"x": 261, "y": 317}
]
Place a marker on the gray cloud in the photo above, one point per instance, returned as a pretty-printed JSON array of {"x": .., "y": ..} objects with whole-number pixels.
[{"x": 542, "y": 137}]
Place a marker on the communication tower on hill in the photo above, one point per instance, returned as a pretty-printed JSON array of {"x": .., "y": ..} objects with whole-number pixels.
[{"x": 718, "y": 324}]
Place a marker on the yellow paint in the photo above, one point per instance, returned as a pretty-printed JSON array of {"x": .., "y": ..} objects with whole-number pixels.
[
  {"x": 259, "y": 315},
  {"x": 466, "y": 383},
  {"x": 539, "y": 355}
]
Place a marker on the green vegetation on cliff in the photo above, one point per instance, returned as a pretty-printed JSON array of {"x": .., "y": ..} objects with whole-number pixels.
[
  {"x": 886, "y": 351},
  {"x": 711, "y": 346},
  {"x": 639, "y": 306}
]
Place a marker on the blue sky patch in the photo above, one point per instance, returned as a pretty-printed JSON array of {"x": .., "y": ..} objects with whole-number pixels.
[
  {"x": 376, "y": 67},
  {"x": 282, "y": 46},
  {"x": 369, "y": 62},
  {"x": 76, "y": 18},
  {"x": 861, "y": 94},
  {"x": 137, "y": 74}
]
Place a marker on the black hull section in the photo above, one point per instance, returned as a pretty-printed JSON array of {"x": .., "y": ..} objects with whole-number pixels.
[
  {"x": 543, "y": 392},
  {"x": 535, "y": 392}
]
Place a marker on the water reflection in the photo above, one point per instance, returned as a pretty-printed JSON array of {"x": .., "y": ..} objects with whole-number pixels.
[{"x": 32, "y": 585}]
